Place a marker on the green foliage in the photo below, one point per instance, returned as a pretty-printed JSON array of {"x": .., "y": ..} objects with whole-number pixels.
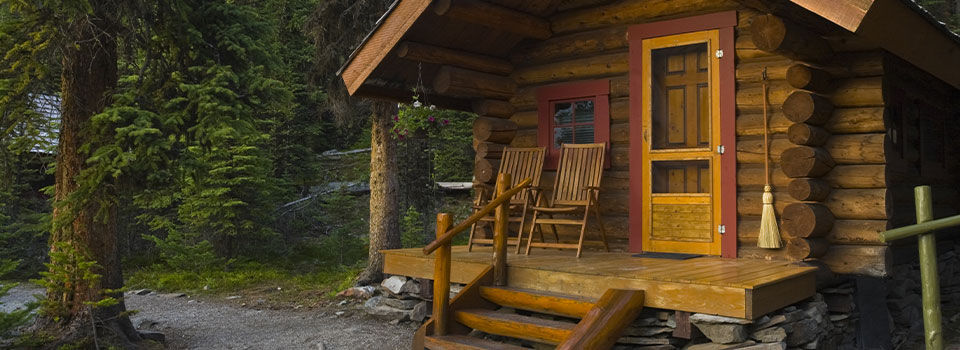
[
  {"x": 185, "y": 252},
  {"x": 946, "y": 11},
  {"x": 9, "y": 321},
  {"x": 345, "y": 225},
  {"x": 411, "y": 228},
  {"x": 68, "y": 268}
]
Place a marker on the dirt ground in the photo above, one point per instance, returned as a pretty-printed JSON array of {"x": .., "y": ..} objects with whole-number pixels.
[{"x": 208, "y": 323}]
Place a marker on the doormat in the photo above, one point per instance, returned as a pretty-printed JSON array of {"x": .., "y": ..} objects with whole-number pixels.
[{"x": 672, "y": 256}]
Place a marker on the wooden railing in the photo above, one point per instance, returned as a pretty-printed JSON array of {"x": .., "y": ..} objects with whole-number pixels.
[
  {"x": 927, "y": 245},
  {"x": 445, "y": 235}
]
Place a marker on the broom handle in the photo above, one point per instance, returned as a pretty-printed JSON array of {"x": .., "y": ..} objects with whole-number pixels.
[{"x": 766, "y": 142}]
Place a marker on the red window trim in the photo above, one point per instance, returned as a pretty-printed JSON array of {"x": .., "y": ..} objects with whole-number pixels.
[
  {"x": 725, "y": 23},
  {"x": 597, "y": 90}
]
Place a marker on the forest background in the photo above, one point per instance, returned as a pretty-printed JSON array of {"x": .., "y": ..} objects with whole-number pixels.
[{"x": 219, "y": 146}]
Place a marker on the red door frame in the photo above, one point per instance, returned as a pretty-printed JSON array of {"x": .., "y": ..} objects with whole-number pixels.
[{"x": 725, "y": 23}]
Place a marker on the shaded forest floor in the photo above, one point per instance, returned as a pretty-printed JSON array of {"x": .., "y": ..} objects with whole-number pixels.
[{"x": 249, "y": 322}]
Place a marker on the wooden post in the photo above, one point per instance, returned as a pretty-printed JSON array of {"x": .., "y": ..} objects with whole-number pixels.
[
  {"x": 929, "y": 279},
  {"x": 500, "y": 233},
  {"x": 441, "y": 278}
]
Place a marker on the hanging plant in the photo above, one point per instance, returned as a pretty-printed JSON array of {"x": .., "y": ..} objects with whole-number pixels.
[{"x": 417, "y": 116}]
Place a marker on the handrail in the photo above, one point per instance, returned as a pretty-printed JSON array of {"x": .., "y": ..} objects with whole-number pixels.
[
  {"x": 927, "y": 249},
  {"x": 503, "y": 198}
]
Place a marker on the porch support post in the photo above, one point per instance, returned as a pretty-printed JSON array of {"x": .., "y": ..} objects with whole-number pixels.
[
  {"x": 500, "y": 233},
  {"x": 929, "y": 277}
]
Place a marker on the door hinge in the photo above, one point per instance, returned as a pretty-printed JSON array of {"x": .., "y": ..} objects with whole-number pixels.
[
  {"x": 719, "y": 53},
  {"x": 722, "y": 229},
  {"x": 721, "y": 149}
]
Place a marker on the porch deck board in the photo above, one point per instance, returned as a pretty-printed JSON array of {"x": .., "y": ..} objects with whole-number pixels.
[{"x": 730, "y": 287}]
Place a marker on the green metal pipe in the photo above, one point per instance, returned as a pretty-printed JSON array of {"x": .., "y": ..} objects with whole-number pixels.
[
  {"x": 929, "y": 279},
  {"x": 913, "y": 230}
]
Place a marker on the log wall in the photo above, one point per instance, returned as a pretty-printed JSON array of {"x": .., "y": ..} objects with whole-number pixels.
[{"x": 833, "y": 160}]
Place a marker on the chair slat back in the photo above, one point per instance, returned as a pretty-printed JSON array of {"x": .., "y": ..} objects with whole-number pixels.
[
  {"x": 580, "y": 167},
  {"x": 522, "y": 163}
]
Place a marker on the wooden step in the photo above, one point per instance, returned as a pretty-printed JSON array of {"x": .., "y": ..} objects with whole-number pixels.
[
  {"x": 542, "y": 302},
  {"x": 516, "y": 326},
  {"x": 465, "y": 342}
]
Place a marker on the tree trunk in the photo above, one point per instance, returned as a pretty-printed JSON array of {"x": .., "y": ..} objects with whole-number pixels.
[
  {"x": 82, "y": 225},
  {"x": 384, "y": 190}
]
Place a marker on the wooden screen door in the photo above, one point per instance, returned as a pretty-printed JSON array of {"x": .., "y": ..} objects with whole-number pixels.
[{"x": 681, "y": 133}]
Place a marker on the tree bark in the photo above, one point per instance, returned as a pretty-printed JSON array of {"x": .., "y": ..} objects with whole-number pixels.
[
  {"x": 82, "y": 225},
  {"x": 384, "y": 190}
]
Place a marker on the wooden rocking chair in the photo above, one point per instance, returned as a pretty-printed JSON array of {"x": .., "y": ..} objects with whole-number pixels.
[
  {"x": 576, "y": 189},
  {"x": 520, "y": 163}
]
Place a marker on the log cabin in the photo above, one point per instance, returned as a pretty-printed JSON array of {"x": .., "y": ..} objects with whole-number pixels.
[{"x": 859, "y": 98}]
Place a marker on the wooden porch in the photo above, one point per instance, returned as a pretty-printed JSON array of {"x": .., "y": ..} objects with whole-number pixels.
[{"x": 741, "y": 288}]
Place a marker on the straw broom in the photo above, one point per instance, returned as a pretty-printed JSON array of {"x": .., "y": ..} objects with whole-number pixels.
[{"x": 769, "y": 233}]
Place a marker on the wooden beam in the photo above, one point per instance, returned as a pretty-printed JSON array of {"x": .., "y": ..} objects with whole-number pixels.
[
  {"x": 845, "y": 13},
  {"x": 495, "y": 17},
  {"x": 806, "y": 220},
  {"x": 805, "y": 161},
  {"x": 802, "y": 76},
  {"x": 381, "y": 42},
  {"x": 773, "y": 34},
  {"x": 459, "y": 82},
  {"x": 604, "y": 324},
  {"x": 441, "y": 55}
]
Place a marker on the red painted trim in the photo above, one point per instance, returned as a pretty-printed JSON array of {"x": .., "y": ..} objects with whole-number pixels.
[
  {"x": 683, "y": 25},
  {"x": 725, "y": 22},
  {"x": 598, "y": 90},
  {"x": 728, "y": 138}
]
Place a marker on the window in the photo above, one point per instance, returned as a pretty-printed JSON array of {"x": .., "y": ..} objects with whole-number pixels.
[{"x": 573, "y": 113}]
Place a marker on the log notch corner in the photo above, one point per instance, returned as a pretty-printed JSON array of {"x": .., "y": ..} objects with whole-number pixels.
[{"x": 806, "y": 223}]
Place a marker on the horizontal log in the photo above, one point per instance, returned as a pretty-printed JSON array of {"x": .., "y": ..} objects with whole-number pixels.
[
  {"x": 802, "y": 76},
  {"x": 459, "y": 82},
  {"x": 807, "y": 135},
  {"x": 526, "y": 97},
  {"x": 574, "y": 45},
  {"x": 777, "y": 35},
  {"x": 605, "y": 65},
  {"x": 485, "y": 170},
  {"x": 806, "y": 220},
  {"x": 750, "y": 96},
  {"x": 843, "y": 121},
  {"x": 747, "y": 50},
  {"x": 845, "y": 65},
  {"x": 844, "y": 149},
  {"x": 805, "y": 161},
  {"x": 809, "y": 189},
  {"x": 872, "y": 261},
  {"x": 489, "y": 150},
  {"x": 849, "y": 93},
  {"x": 806, "y": 248},
  {"x": 526, "y": 119},
  {"x": 494, "y": 130},
  {"x": 750, "y": 177},
  {"x": 525, "y": 138},
  {"x": 630, "y": 12},
  {"x": 850, "y": 204},
  {"x": 852, "y": 232},
  {"x": 751, "y": 71},
  {"x": 807, "y": 107},
  {"x": 620, "y": 133},
  {"x": 494, "y": 16},
  {"x": 493, "y": 108},
  {"x": 419, "y": 52}
]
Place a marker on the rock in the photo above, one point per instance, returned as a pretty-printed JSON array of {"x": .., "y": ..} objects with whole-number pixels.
[
  {"x": 770, "y": 335},
  {"x": 173, "y": 295},
  {"x": 401, "y": 304},
  {"x": 839, "y": 317},
  {"x": 723, "y": 333},
  {"x": 321, "y": 346},
  {"x": 802, "y": 332},
  {"x": 233, "y": 297},
  {"x": 147, "y": 324},
  {"x": 715, "y": 346},
  {"x": 769, "y": 322},
  {"x": 394, "y": 284},
  {"x": 339, "y": 313},
  {"x": 766, "y": 346},
  {"x": 420, "y": 312},
  {"x": 373, "y": 302},
  {"x": 154, "y": 336},
  {"x": 651, "y": 331},
  {"x": 364, "y": 292},
  {"x": 342, "y": 303},
  {"x": 384, "y": 311},
  {"x": 141, "y": 292},
  {"x": 395, "y": 321},
  {"x": 811, "y": 345},
  {"x": 644, "y": 341},
  {"x": 704, "y": 318},
  {"x": 410, "y": 287}
]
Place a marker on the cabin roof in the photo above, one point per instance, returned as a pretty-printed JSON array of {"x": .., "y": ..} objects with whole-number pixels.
[{"x": 374, "y": 69}]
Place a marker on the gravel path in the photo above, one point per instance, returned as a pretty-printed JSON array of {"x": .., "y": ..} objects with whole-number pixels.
[{"x": 214, "y": 324}]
